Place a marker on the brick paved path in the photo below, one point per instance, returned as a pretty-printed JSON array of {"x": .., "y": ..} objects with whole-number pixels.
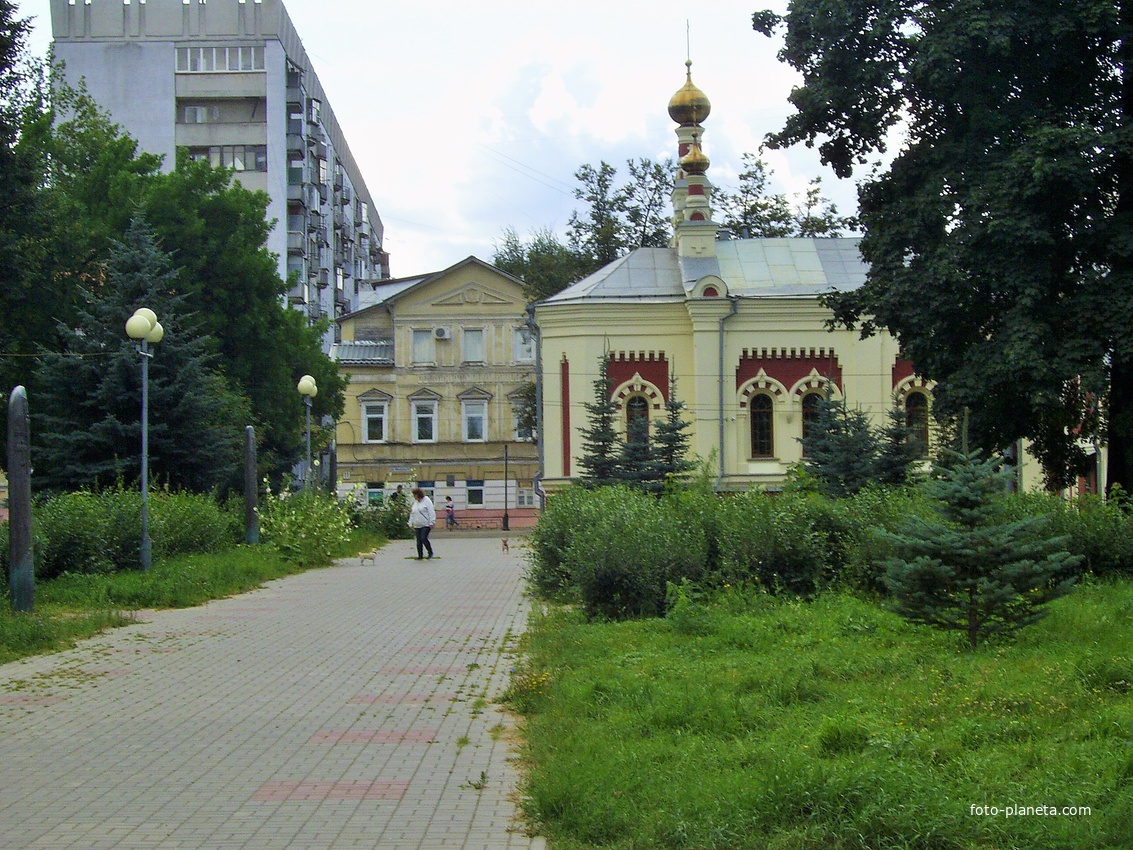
[{"x": 343, "y": 708}]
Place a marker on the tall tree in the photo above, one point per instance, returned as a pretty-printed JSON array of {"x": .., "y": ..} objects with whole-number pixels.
[
  {"x": 998, "y": 237},
  {"x": 87, "y": 430},
  {"x": 544, "y": 264},
  {"x": 753, "y": 210},
  {"x": 647, "y": 196},
  {"x": 600, "y": 231}
]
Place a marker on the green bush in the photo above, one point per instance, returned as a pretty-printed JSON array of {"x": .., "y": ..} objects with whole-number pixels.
[
  {"x": 566, "y": 513},
  {"x": 1100, "y": 531},
  {"x": 771, "y": 541},
  {"x": 98, "y": 533},
  {"x": 625, "y": 559},
  {"x": 389, "y": 519},
  {"x": 305, "y": 528}
]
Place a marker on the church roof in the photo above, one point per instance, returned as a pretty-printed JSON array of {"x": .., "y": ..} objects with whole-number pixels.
[{"x": 751, "y": 268}]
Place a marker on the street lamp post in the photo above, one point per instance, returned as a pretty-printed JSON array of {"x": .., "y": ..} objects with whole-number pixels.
[
  {"x": 308, "y": 389},
  {"x": 144, "y": 328}
]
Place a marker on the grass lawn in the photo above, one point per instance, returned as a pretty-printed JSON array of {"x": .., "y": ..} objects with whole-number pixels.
[{"x": 751, "y": 722}]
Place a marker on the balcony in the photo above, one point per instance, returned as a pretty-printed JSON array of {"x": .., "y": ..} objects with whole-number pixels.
[
  {"x": 297, "y": 243},
  {"x": 296, "y": 192},
  {"x": 296, "y": 143},
  {"x": 322, "y": 278}
]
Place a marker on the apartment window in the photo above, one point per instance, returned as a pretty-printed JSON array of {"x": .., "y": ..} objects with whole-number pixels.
[
  {"x": 375, "y": 492},
  {"x": 475, "y": 488},
  {"x": 429, "y": 487},
  {"x": 196, "y": 114},
  {"x": 761, "y": 409},
  {"x": 524, "y": 497},
  {"x": 472, "y": 345},
  {"x": 423, "y": 350},
  {"x": 522, "y": 431},
  {"x": 236, "y": 157},
  {"x": 475, "y": 419},
  {"x": 524, "y": 346},
  {"x": 424, "y": 421},
  {"x": 207, "y": 60},
  {"x": 374, "y": 422}
]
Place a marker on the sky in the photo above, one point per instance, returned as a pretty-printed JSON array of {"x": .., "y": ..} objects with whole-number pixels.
[{"x": 469, "y": 118}]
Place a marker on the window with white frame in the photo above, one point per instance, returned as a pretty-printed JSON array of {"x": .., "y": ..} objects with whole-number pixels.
[
  {"x": 472, "y": 345},
  {"x": 524, "y": 346},
  {"x": 424, "y": 421},
  {"x": 475, "y": 421},
  {"x": 475, "y": 490},
  {"x": 198, "y": 60},
  {"x": 524, "y": 497},
  {"x": 523, "y": 431},
  {"x": 424, "y": 351},
  {"x": 374, "y": 419}
]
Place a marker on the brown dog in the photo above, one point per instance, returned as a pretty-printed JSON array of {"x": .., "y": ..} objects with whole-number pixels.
[
  {"x": 505, "y": 547},
  {"x": 372, "y": 557}
]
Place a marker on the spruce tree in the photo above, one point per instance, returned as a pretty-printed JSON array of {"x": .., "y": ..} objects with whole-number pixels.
[
  {"x": 87, "y": 417},
  {"x": 968, "y": 570},
  {"x": 672, "y": 441},
  {"x": 897, "y": 451},
  {"x": 638, "y": 466},
  {"x": 840, "y": 448},
  {"x": 601, "y": 454}
]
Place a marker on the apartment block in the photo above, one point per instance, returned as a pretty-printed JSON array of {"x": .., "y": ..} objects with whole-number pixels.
[{"x": 229, "y": 81}]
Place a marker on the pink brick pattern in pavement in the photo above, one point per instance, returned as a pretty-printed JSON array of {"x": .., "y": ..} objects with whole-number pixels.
[{"x": 352, "y": 707}]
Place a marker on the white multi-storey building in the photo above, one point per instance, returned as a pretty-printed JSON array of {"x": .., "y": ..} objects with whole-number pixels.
[{"x": 229, "y": 80}]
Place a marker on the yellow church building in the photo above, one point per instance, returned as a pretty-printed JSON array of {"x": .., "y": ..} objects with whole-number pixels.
[{"x": 738, "y": 325}]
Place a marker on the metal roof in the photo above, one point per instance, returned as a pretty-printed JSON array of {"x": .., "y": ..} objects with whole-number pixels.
[
  {"x": 363, "y": 353},
  {"x": 751, "y": 268}
]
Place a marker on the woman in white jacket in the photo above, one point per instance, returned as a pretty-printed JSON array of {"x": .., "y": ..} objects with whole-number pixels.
[{"x": 422, "y": 518}]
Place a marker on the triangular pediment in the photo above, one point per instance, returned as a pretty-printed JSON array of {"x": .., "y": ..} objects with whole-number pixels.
[{"x": 474, "y": 294}]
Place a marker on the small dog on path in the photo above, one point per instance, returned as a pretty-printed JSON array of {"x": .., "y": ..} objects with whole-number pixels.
[
  {"x": 504, "y": 547},
  {"x": 372, "y": 557}
]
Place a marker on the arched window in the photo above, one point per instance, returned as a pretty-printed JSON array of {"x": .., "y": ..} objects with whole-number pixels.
[
  {"x": 761, "y": 409},
  {"x": 637, "y": 419},
  {"x": 810, "y": 413},
  {"x": 916, "y": 420}
]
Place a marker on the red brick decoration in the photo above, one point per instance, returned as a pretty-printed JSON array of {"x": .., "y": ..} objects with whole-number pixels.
[
  {"x": 788, "y": 366},
  {"x": 902, "y": 369},
  {"x": 653, "y": 366},
  {"x": 27, "y": 700},
  {"x": 294, "y": 792},
  {"x": 374, "y": 736},
  {"x": 399, "y": 699},
  {"x": 564, "y": 390}
]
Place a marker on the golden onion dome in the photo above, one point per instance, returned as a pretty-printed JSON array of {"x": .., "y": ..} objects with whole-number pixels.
[
  {"x": 695, "y": 161},
  {"x": 689, "y": 105}
]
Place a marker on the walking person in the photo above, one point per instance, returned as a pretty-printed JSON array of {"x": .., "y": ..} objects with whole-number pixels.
[
  {"x": 450, "y": 514},
  {"x": 422, "y": 518}
]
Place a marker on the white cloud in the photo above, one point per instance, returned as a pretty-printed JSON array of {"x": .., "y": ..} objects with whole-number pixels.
[{"x": 466, "y": 118}]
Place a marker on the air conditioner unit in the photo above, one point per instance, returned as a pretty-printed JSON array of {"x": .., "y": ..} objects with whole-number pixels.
[{"x": 442, "y": 333}]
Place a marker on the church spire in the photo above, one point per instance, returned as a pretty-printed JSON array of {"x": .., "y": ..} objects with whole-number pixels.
[{"x": 694, "y": 231}]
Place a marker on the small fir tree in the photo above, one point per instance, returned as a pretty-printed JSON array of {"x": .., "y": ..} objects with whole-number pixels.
[
  {"x": 898, "y": 451},
  {"x": 672, "y": 441},
  {"x": 601, "y": 454},
  {"x": 840, "y": 448},
  {"x": 968, "y": 570},
  {"x": 638, "y": 467}
]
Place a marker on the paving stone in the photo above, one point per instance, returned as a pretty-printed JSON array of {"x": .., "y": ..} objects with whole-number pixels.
[{"x": 341, "y": 708}]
